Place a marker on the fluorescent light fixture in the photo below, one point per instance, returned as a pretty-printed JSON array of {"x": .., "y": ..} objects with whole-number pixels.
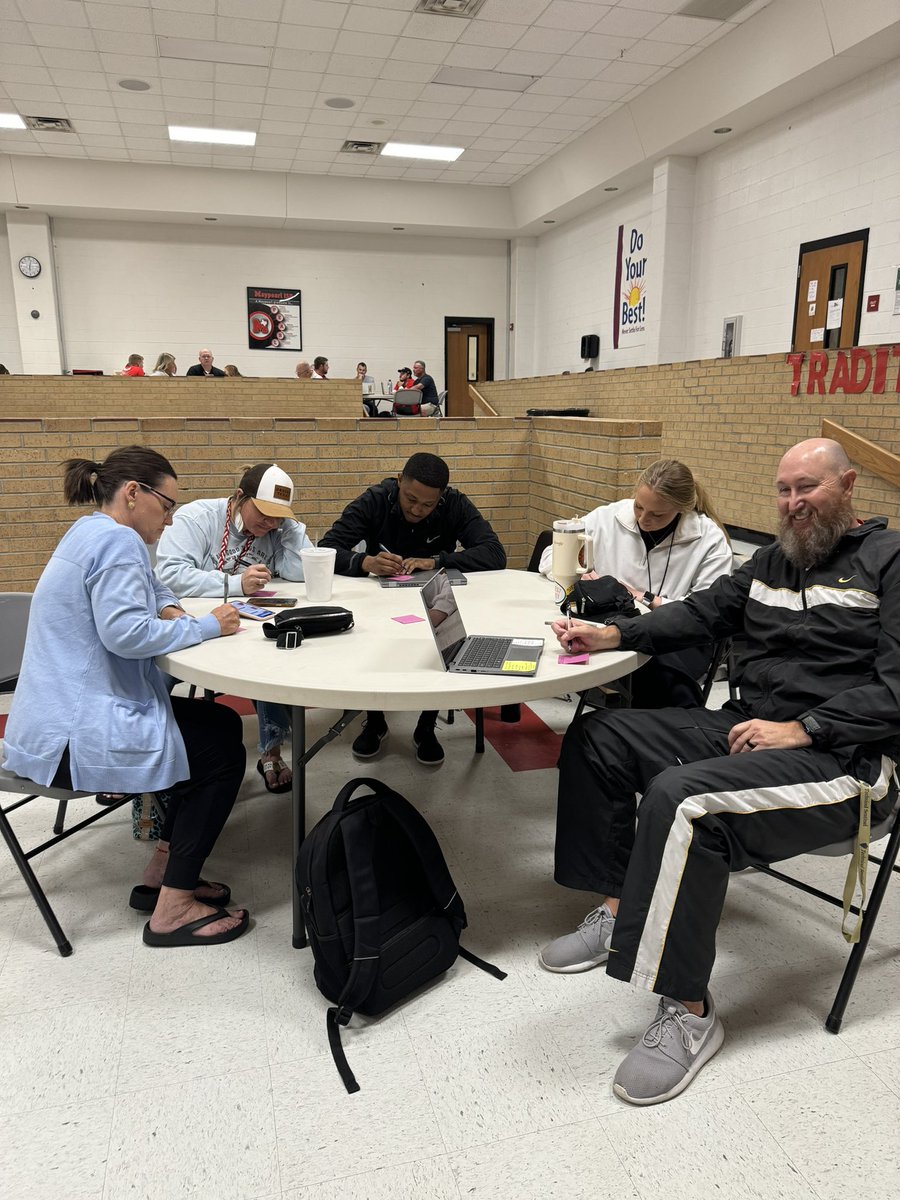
[
  {"x": 11, "y": 121},
  {"x": 218, "y": 52},
  {"x": 409, "y": 150},
  {"x": 219, "y": 137},
  {"x": 474, "y": 77}
]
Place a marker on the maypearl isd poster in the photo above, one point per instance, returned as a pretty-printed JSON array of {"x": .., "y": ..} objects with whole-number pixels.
[
  {"x": 274, "y": 319},
  {"x": 630, "y": 302}
]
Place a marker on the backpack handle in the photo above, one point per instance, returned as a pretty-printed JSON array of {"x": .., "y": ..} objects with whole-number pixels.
[{"x": 343, "y": 798}]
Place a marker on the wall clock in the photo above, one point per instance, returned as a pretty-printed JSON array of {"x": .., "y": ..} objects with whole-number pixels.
[{"x": 29, "y": 266}]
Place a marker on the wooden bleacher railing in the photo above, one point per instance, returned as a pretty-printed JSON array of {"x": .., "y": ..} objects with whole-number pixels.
[{"x": 866, "y": 453}]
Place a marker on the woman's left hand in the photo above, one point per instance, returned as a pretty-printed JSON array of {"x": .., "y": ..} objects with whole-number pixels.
[{"x": 171, "y": 613}]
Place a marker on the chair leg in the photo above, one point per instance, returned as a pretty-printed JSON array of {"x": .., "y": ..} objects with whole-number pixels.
[
  {"x": 835, "y": 1018},
  {"x": 63, "y": 945},
  {"x": 59, "y": 823},
  {"x": 451, "y": 716},
  {"x": 479, "y": 731}
]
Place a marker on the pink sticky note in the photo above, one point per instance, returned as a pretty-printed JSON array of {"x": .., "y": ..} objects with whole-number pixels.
[
  {"x": 269, "y": 593},
  {"x": 400, "y": 578},
  {"x": 572, "y": 660},
  {"x": 408, "y": 620}
]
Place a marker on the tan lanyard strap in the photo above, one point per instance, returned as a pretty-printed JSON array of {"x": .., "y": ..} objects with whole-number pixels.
[{"x": 859, "y": 864}]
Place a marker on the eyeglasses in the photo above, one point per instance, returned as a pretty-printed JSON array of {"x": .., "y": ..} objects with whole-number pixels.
[{"x": 169, "y": 505}]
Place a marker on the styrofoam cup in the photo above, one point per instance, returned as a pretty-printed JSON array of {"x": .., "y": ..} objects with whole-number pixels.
[{"x": 318, "y": 572}]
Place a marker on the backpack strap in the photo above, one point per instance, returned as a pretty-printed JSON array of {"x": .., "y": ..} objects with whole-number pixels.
[{"x": 482, "y": 963}]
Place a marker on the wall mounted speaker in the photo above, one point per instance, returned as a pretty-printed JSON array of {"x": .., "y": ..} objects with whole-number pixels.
[{"x": 590, "y": 345}]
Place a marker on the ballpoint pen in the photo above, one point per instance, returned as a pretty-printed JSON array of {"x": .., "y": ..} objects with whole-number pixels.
[{"x": 225, "y": 579}]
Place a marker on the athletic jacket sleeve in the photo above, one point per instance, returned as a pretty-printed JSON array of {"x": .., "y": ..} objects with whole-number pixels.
[
  {"x": 714, "y": 613},
  {"x": 357, "y": 523},
  {"x": 290, "y": 538},
  {"x": 482, "y": 550}
]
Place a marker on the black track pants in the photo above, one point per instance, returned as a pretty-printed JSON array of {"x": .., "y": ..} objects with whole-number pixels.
[{"x": 707, "y": 815}]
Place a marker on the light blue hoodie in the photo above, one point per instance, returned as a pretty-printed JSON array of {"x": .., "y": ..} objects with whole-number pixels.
[{"x": 88, "y": 676}]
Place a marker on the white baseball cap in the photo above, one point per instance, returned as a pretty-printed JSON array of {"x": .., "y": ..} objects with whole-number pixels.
[{"x": 270, "y": 489}]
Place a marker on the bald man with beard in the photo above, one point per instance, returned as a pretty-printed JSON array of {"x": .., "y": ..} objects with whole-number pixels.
[{"x": 775, "y": 774}]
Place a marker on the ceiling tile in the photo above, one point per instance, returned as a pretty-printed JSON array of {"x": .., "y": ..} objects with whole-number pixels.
[
  {"x": 628, "y": 23},
  {"x": 233, "y": 91},
  {"x": 62, "y": 35},
  {"x": 482, "y": 58},
  {"x": 287, "y": 98},
  {"x": 532, "y": 101},
  {"x": 111, "y": 42},
  {"x": 20, "y": 55},
  {"x": 491, "y": 33},
  {"x": 421, "y": 51},
  {"x": 237, "y": 73},
  {"x": 384, "y": 106},
  {"x": 559, "y": 120},
  {"x": 23, "y": 73},
  {"x": 598, "y": 45},
  {"x": 521, "y": 117},
  {"x": 177, "y": 68},
  {"x": 184, "y": 24},
  {"x": 414, "y": 123},
  {"x": 121, "y": 65},
  {"x": 435, "y": 29},
  {"x": 90, "y": 112},
  {"x": 350, "y": 86},
  {"x": 567, "y": 14},
  {"x": 15, "y": 33},
  {"x": 265, "y": 10},
  {"x": 299, "y": 37},
  {"x": 315, "y": 12},
  {"x": 144, "y": 100},
  {"x": 411, "y": 71},
  {"x": 70, "y": 60},
  {"x": 659, "y": 54},
  {"x": 627, "y": 72},
  {"x": 83, "y": 87},
  {"x": 127, "y": 19},
  {"x": 527, "y": 62},
  {"x": 56, "y": 12},
  {"x": 553, "y": 85},
  {"x": 303, "y": 81},
  {"x": 365, "y": 44},
  {"x": 686, "y": 30},
  {"x": 520, "y": 12},
  {"x": 247, "y": 115},
  {"x": 571, "y": 67},
  {"x": 550, "y": 41},
  {"x": 247, "y": 33},
  {"x": 353, "y": 64},
  {"x": 603, "y": 89},
  {"x": 26, "y": 93},
  {"x": 374, "y": 20},
  {"x": 290, "y": 60}
]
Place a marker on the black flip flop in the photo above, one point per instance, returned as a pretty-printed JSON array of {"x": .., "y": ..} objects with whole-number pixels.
[
  {"x": 144, "y": 898},
  {"x": 184, "y": 934},
  {"x": 280, "y": 787}
]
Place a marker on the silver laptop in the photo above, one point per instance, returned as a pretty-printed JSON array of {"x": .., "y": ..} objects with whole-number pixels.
[
  {"x": 475, "y": 654},
  {"x": 420, "y": 578}
]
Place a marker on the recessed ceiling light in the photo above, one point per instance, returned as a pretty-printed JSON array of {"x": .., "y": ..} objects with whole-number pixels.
[
  {"x": 216, "y": 52},
  {"x": 472, "y": 77},
  {"x": 723, "y": 129},
  {"x": 410, "y": 150},
  {"x": 134, "y": 85},
  {"x": 219, "y": 137},
  {"x": 610, "y": 189},
  {"x": 340, "y": 102},
  {"x": 11, "y": 121}
]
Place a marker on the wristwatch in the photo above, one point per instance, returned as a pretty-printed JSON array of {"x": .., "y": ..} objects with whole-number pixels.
[
  {"x": 648, "y": 598},
  {"x": 812, "y": 728}
]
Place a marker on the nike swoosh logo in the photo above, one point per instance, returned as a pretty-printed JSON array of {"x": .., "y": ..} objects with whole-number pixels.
[
  {"x": 847, "y": 580},
  {"x": 428, "y": 541}
]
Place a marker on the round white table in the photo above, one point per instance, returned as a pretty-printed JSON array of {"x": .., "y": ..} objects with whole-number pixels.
[{"x": 383, "y": 664}]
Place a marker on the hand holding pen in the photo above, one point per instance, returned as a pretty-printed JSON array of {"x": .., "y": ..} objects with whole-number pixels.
[
  {"x": 385, "y": 562},
  {"x": 256, "y": 576}
]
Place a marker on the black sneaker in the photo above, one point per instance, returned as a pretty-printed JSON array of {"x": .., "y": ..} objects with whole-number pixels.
[
  {"x": 368, "y": 743},
  {"x": 428, "y": 748}
]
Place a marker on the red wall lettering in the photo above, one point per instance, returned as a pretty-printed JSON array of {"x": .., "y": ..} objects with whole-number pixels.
[{"x": 851, "y": 374}]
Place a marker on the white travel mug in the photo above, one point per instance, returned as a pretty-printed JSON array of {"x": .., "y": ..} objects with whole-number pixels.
[{"x": 318, "y": 572}]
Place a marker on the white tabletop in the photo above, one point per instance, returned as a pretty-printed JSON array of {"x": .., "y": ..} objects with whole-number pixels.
[{"x": 380, "y": 664}]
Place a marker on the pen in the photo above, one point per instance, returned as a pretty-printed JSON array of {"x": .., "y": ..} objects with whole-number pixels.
[
  {"x": 225, "y": 579},
  {"x": 382, "y": 546}
]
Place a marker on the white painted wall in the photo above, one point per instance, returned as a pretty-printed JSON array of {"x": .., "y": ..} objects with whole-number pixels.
[
  {"x": 829, "y": 167},
  {"x": 10, "y": 354},
  {"x": 132, "y": 287}
]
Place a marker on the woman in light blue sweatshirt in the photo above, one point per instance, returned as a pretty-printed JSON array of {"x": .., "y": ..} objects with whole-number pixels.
[
  {"x": 91, "y": 710},
  {"x": 241, "y": 543}
]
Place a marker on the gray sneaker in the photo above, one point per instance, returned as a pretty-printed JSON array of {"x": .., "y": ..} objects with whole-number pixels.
[
  {"x": 587, "y": 947},
  {"x": 676, "y": 1046}
]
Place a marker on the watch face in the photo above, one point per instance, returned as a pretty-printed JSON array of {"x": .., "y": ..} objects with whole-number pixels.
[{"x": 29, "y": 266}]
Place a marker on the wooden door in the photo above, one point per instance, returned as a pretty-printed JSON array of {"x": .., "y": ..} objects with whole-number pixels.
[
  {"x": 829, "y": 292},
  {"x": 470, "y": 356}
]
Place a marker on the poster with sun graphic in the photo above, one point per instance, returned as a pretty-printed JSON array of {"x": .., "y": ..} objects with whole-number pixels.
[{"x": 630, "y": 302}]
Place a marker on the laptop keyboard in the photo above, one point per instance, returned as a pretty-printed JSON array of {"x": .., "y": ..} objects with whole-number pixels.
[{"x": 484, "y": 652}]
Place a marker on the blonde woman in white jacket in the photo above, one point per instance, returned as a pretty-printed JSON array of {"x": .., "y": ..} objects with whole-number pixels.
[{"x": 664, "y": 544}]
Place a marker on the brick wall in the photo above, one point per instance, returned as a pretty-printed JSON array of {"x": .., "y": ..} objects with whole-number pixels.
[
  {"x": 729, "y": 420},
  {"x": 108, "y": 395},
  {"x": 508, "y": 467}
]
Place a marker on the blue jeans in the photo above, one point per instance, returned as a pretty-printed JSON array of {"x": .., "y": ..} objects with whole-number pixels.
[{"x": 274, "y": 724}]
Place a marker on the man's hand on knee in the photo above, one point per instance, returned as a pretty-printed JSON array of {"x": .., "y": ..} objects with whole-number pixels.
[{"x": 767, "y": 735}]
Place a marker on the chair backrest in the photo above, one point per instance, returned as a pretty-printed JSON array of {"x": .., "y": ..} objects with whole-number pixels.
[
  {"x": 14, "y": 609},
  {"x": 544, "y": 539}
]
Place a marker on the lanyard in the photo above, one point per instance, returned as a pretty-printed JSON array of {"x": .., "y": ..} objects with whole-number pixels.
[{"x": 224, "y": 547}]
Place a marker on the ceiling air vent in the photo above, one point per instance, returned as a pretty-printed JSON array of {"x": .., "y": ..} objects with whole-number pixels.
[
  {"x": 712, "y": 10},
  {"x": 49, "y": 124},
  {"x": 450, "y": 8},
  {"x": 351, "y": 146}
]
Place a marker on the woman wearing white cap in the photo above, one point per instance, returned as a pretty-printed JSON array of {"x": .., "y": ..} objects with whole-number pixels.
[{"x": 249, "y": 537}]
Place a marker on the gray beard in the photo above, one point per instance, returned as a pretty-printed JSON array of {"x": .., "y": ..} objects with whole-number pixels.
[{"x": 815, "y": 544}]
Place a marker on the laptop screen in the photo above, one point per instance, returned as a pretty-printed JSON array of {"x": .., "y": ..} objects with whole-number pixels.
[{"x": 444, "y": 618}]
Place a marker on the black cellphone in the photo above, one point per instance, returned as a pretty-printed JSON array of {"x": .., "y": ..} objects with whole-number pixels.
[{"x": 273, "y": 601}]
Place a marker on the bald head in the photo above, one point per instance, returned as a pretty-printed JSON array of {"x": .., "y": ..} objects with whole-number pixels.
[{"x": 824, "y": 456}]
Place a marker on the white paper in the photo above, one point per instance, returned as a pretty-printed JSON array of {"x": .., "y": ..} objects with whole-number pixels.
[
  {"x": 812, "y": 310},
  {"x": 835, "y": 314},
  {"x": 812, "y": 290},
  {"x": 896, "y": 303},
  {"x": 817, "y": 335}
]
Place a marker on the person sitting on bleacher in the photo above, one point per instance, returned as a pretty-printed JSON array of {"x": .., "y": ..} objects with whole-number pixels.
[
  {"x": 91, "y": 712},
  {"x": 664, "y": 544}
]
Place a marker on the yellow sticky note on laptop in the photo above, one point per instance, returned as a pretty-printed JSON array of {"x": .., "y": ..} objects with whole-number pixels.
[{"x": 512, "y": 665}]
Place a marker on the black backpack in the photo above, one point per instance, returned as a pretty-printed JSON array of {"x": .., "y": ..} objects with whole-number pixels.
[{"x": 382, "y": 913}]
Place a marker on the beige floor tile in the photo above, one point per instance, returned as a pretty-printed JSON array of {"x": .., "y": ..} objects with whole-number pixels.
[
  {"x": 207, "y": 1139},
  {"x": 431, "y": 1179},
  {"x": 34, "y": 979},
  {"x": 576, "y": 1162},
  {"x": 56, "y": 1153},
  {"x": 832, "y": 1123},
  {"x": 499, "y": 1081},
  {"x": 324, "y": 1133},
  {"x": 63, "y": 1056},
  {"x": 886, "y": 1065},
  {"x": 703, "y": 1147}
]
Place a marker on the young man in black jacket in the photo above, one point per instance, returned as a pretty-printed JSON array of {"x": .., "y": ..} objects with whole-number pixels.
[
  {"x": 780, "y": 773},
  {"x": 415, "y": 522}
]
